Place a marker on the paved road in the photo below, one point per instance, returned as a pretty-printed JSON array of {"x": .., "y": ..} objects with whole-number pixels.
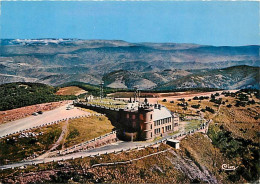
[
  {"x": 114, "y": 147},
  {"x": 46, "y": 117},
  {"x": 118, "y": 146}
]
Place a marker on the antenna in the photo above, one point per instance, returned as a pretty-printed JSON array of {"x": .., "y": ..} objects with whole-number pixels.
[{"x": 101, "y": 89}]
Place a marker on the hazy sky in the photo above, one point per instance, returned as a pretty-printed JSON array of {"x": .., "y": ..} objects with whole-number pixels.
[{"x": 212, "y": 23}]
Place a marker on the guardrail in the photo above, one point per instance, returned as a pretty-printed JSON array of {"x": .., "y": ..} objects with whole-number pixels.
[
  {"x": 33, "y": 162},
  {"x": 87, "y": 144},
  {"x": 128, "y": 161}
]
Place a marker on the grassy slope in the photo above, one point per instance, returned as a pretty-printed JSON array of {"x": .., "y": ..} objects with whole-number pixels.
[
  {"x": 21, "y": 148},
  {"x": 234, "y": 134},
  {"x": 83, "y": 129}
]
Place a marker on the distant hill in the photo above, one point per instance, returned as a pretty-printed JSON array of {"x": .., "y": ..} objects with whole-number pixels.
[
  {"x": 56, "y": 61},
  {"x": 236, "y": 77}
]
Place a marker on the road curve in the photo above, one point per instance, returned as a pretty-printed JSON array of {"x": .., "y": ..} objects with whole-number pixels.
[
  {"x": 115, "y": 147},
  {"x": 33, "y": 121}
]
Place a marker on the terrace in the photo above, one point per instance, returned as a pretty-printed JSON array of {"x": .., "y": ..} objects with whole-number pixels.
[{"x": 108, "y": 103}]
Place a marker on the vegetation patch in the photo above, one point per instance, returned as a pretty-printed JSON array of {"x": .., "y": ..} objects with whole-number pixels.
[
  {"x": 87, "y": 128},
  {"x": 20, "y": 94},
  {"x": 192, "y": 124},
  {"x": 70, "y": 90},
  {"x": 29, "y": 144}
]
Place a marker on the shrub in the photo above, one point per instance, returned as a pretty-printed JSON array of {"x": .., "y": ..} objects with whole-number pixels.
[
  {"x": 229, "y": 105},
  {"x": 195, "y": 98},
  {"x": 182, "y": 100},
  {"x": 210, "y": 109},
  {"x": 195, "y": 106}
]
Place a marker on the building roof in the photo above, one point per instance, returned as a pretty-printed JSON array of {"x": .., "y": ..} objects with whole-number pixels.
[
  {"x": 173, "y": 140},
  {"x": 161, "y": 113}
]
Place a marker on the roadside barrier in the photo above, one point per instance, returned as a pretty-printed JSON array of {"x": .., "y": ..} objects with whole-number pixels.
[
  {"x": 128, "y": 161},
  {"x": 70, "y": 150}
]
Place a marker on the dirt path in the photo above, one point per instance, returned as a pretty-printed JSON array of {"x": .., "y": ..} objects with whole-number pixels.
[{"x": 62, "y": 137}]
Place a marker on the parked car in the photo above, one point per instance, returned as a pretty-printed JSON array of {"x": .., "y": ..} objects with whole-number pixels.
[
  {"x": 35, "y": 113},
  {"x": 40, "y": 112}
]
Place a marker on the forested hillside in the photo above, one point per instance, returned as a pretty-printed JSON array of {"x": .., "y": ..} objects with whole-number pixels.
[{"x": 15, "y": 95}]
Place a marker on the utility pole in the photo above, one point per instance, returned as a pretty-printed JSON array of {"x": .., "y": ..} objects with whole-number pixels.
[{"x": 101, "y": 89}]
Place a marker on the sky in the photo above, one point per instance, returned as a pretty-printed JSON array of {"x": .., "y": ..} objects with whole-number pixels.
[{"x": 209, "y": 23}]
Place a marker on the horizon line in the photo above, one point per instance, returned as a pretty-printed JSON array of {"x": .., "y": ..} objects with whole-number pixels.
[{"x": 139, "y": 42}]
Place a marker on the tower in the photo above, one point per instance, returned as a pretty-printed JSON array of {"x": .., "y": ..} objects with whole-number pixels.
[
  {"x": 101, "y": 89},
  {"x": 146, "y": 122}
]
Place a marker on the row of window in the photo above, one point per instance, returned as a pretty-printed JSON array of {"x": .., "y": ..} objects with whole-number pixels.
[
  {"x": 157, "y": 131},
  {"x": 167, "y": 128},
  {"x": 162, "y": 121},
  {"x": 127, "y": 116}
]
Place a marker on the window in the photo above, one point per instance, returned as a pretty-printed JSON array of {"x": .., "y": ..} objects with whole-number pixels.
[
  {"x": 133, "y": 116},
  {"x": 151, "y": 126},
  {"x": 151, "y": 134},
  {"x": 151, "y": 116}
]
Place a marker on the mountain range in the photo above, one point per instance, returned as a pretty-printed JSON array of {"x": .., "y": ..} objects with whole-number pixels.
[{"x": 129, "y": 65}]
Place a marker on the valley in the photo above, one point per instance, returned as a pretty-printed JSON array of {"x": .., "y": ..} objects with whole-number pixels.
[{"x": 129, "y": 65}]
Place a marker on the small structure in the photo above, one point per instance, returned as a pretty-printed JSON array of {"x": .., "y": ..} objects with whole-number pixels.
[
  {"x": 173, "y": 143},
  {"x": 89, "y": 98}
]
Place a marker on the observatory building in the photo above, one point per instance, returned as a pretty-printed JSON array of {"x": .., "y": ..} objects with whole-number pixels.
[
  {"x": 146, "y": 121},
  {"x": 137, "y": 120}
]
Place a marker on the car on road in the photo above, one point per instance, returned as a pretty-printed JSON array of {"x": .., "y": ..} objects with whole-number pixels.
[
  {"x": 35, "y": 113},
  {"x": 40, "y": 112}
]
